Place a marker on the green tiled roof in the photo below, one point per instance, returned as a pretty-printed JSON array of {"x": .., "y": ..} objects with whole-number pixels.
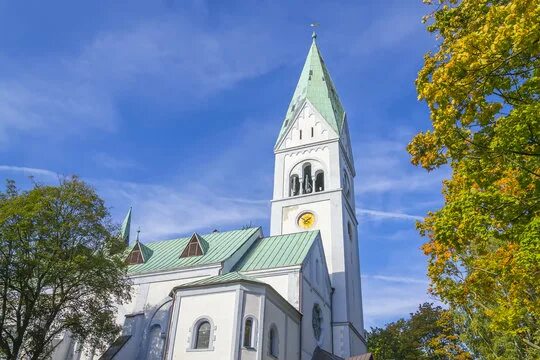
[
  {"x": 165, "y": 255},
  {"x": 316, "y": 86},
  {"x": 220, "y": 279},
  {"x": 277, "y": 251}
]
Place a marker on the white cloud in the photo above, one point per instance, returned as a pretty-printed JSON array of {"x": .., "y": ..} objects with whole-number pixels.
[
  {"x": 166, "y": 211},
  {"x": 29, "y": 171},
  {"x": 175, "y": 60},
  {"x": 387, "y": 214},
  {"x": 388, "y": 298},
  {"x": 397, "y": 279}
]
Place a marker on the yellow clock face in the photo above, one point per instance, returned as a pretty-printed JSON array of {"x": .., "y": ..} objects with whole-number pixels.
[{"x": 306, "y": 220}]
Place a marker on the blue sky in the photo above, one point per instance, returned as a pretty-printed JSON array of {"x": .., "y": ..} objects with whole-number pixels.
[{"x": 173, "y": 107}]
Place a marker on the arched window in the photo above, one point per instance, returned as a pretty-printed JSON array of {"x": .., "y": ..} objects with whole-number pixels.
[
  {"x": 202, "y": 333},
  {"x": 316, "y": 321},
  {"x": 249, "y": 332},
  {"x": 273, "y": 348},
  {"x": 307, "y": 181},
  {"x": 319, "y": 181},
  {"x": 294, "y": 186},
  {"x": 346, "y": 184}
]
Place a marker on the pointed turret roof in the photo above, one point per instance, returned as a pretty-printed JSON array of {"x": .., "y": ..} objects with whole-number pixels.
[
  {"x": 316, "y": 86},
  {"x": 126, "y": 227}
]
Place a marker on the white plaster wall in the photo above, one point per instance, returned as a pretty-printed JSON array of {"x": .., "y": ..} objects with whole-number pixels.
[
  {"x": 288, "y": 334},
  {"x": 280, "y": 283},
  {"x": 220, "y": 308}
]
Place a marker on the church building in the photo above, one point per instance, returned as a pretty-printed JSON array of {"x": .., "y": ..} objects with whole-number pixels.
[{"x": 294, "y": 294}]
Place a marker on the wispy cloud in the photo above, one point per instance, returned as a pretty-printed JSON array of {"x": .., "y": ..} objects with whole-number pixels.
[
  {"x": 167, "y": 211},
  {"x": 29, "y": 171},
  {"x": 397, "y": 279},
  {"x": 388, "y": 297},
  {"x": 387, "y": 214},
  {"x": 160, "y": 60}
]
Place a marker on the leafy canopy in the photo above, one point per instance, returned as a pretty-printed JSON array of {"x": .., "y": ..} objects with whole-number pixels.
[
  {"x": 428, "y": 334},
  {"x": 482, "y": 89},
  {"x": 60, "y": 269}
]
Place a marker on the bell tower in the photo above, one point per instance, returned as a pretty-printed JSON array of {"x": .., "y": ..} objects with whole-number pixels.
[{"x": 313, "y": 189}]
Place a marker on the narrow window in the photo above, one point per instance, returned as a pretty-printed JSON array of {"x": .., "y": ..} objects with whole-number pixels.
[
  {"x": 312, "y": 132},
  {"x": 202, "y": 340},
  {"x": 346, "y": 183},
  {"x": 350, "y": 230},
  {"x": 294, "y": 187},
  {"x": 308, "y": 182},
  {"x": 273, "y": 342},
  {"x": 248, "y": 333},
  {"x": 319, "y": 181},
  {"x": 300, "y": 134}
]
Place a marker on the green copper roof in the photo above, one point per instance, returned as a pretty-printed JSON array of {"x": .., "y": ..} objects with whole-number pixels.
[
  {"x": 220, "y": 279},
  {"x": 165, "y": 255},
  {"x": 316, "y": 86},
  {"x": 126, "y": 227},
  {"x": 277, "y": 251}
]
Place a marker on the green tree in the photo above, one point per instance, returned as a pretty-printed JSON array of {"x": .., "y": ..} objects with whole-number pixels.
[
  {"x": 61, "y": 269},
  {"x": 482, "y": 87},
  {"x": 428, "y": 334}
]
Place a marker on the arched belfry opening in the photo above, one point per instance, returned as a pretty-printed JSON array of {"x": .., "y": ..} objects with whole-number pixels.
[
  {"x": 306, "y": 178},
  {"x": 294, "y": 186},
  {"x": 307, "y": 184},
  {"x": 319, "y": 181}
]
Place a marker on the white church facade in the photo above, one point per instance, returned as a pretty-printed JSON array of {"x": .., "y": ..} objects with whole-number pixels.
[{"x": 295, "y": 294}]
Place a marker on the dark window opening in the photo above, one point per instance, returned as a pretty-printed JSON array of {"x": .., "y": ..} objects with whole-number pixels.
[
  {"x": 312, "y": 132},
  {"x": 300, "y": 134},
  {"x": 308, "y": 182},
  {"x": 273, "y": 346},
  {"x": 135, "y": 256},
  {"x": 248, "y": 332},
  {"x": 203, "y": 336},
  {"x": 294, "y": 187},
  {"x": 193, "y": 248},
  {"x": 319, "y": 182}
]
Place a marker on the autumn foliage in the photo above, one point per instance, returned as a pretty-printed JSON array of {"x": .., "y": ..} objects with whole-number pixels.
[{"x": 482, "y": 86}]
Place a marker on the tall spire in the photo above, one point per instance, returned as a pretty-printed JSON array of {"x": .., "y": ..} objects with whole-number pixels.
[
  {"x": 316, "y": 86},
  {"x": 126, "y": 227}
]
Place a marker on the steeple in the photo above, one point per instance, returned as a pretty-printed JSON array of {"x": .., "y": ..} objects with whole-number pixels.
[
  {"x": 126, "y": 227},
  {"x": 316, "y": 86}
]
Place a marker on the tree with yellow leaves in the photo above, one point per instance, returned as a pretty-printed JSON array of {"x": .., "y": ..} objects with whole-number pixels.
[{"x": 482, "y": 86}]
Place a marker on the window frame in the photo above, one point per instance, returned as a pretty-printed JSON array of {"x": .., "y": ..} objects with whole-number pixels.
[
  {"x": 273, "y": 342},
  {"x": 254, "y": 328},
  {"x": 194, "y": 333}
]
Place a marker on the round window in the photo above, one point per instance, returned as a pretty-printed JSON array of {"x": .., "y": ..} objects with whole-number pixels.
[{"x": 317, "y": 321}]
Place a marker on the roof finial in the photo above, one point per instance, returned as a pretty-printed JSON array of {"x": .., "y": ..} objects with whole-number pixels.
[
  {"x": 138, "y": 232},
  {"x": 314, "y": 34}
]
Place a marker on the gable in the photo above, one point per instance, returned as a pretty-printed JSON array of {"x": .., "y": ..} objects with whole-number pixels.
[
  {"x": 308, "y": 126},
  {"x": 136, "y": 255},
  {"x": 194, "y": 247}
]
